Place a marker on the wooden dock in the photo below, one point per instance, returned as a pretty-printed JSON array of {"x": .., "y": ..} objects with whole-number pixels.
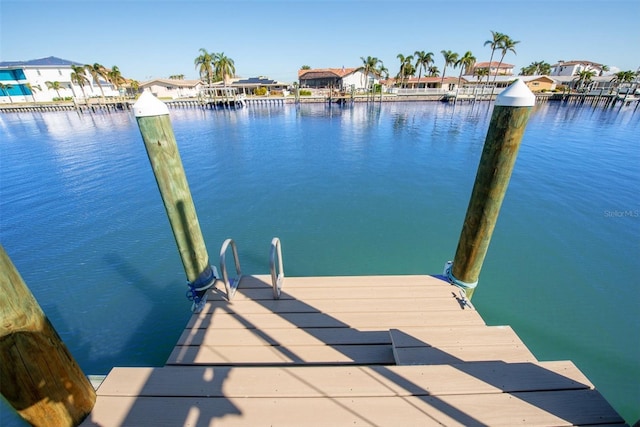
[{"x": 348, "y": 351}]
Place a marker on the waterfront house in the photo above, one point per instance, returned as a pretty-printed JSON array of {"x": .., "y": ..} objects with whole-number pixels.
[
  {"x": 422, "y": 85},
  {"x": 172, "y": 88},
  {"x": 535, "y": 83},
  {"x": 248, "y": 86},
  {"x": 572, "y": 68},
  {"x": 494, "y": 68},
  {"x": 25, "y": 81},
  {"x": 337, "y": 78}
]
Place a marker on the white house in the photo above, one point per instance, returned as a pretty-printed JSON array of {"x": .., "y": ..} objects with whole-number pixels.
[
  {"x": 572, "y": 68},
  {"x": 249, "y": 85},
  {"x": 172, "y": 88},
  {"x": 337, "y": 78},
  {"x": 26, "y": 81}
]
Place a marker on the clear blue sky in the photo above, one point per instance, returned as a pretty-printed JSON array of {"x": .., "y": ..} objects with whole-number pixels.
[{"x": 157, "y": 38}]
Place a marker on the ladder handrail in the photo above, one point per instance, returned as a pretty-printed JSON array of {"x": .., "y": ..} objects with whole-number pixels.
[
  {"x": 276, "y": 278},
  {"x": 230, "y": 286}
]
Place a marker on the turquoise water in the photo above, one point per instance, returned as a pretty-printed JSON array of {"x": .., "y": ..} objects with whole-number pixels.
[{"x": 349, "y": 190}]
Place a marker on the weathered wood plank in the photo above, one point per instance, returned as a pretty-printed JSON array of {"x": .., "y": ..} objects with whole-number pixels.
[
  {"x": 532, "y": 409},
  {"x": 275, "y": 336},
  {"x": 264, "y": 280},
  {"x": 235, "y": 412},
  {"x": 343, "y": 381},
  {"x": 451, "y": 355},
  {"x": 558, "y": 408},
  {"x": 451, "y": 336},
  {"x": 344, "y": 293},
  {"x": 275, "y": 355},
  {"x": 339, "y": 288},
  {"x": 333, "y": 305},
  {"x": 383, "y": 321},
  {"x": 439, "y": 347}
]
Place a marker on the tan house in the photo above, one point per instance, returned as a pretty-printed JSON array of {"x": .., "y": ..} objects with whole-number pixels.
[
  {"x": 172, "y": 88},
  {"x": 539, "y": 83},
  {"x": 495, "y": 68}
]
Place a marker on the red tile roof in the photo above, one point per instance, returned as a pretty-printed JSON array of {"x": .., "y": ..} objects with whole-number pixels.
[
  {"x": 338, "y": 72},
  {"x": 492, "y": 64}
]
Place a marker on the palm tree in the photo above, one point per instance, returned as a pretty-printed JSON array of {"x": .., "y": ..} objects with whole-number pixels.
[
  {"x": 433, "y": 71},
  {"x": 115, "y": 77},
  {"x": 450, "y": 58},
  {"x": 55, "y": 86},
  {"x": 603, "y": 69},
  {"x": 33, "y": 90},
  {"x": 177, "y": 77},
  {"x": 5, "y": 90},
  {"x": 79, "y": 77},
  {"x": 382, "y": 70},
  {"x": 494, "y": 43},
  {"x": 465, "y": 63},
  {"x": 423, "y": 60},
  {"x": 584, "y": 77},
  {"x": 368, "y": 66},
  {"x": 224, "y": 67},
  {"x": 405, "y": 64},
  {"x": 305, "y": 67},
  {"x": 133, "y": 85},
  {"x": 622, "y": 77},
  {"x": 507, "y": 44},
  {"x": 204, "y": 63},
  {"x": 481, "y": 72},
  {"x": 536, "y": 69},
  {"x": 96, "y": 70}
]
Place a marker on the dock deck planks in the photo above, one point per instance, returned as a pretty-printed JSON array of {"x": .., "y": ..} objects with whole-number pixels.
[{"x": 367, "y": 350}]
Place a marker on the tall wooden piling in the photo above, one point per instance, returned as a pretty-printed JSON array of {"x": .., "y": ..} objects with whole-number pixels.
[
  {"x": 153, "y": 120},
  {"x": 38, "y": 375},
  {"x": 507, "y": 125}
]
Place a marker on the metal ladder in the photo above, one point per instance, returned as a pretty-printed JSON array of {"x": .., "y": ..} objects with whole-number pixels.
[{"x": 277, "y": 271}]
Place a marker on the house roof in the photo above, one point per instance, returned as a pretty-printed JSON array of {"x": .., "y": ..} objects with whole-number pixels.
[
  {"x": 171, "y": 82},
  {"x": 492, "y": 64},
  {"x": 252, "y": 81},
  {"x": 576, "y": 62},
  {"x": 319, "y": 73},
  {"x": 502, "y": 79},
  {"x": 50, "y": 61},
  {"x": 414, "y": 80}
]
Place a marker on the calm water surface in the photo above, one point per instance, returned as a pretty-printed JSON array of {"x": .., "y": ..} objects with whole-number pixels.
[{"x": 354, "y": 190}]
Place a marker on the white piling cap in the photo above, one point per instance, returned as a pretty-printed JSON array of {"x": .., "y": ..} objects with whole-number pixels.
[
  {"x": 516, "y": 95},
  {"x": 148, "y": 105}
]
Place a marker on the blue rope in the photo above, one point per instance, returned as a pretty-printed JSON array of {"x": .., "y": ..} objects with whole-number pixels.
[
  {"x": 197, "y": 292},
  {"x": 463, "y": 286}
]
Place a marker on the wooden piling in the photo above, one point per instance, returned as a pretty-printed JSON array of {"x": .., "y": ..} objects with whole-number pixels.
[
  {"x": 153, "y": 120},
  {"x": 507, "y": 125},
  {"x": 38, "y": 375}
]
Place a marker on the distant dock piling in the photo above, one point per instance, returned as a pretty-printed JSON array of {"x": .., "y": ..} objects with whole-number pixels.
[
  {"x": 38, "y": 375},
  {"x": 506, "y": 128},
  {"x": 153, "y": 120}
]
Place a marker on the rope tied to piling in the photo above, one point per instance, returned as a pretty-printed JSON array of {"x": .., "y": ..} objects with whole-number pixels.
[
  {"x": 197, "y": 292},
  {"x": 462, "y": 286}
]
